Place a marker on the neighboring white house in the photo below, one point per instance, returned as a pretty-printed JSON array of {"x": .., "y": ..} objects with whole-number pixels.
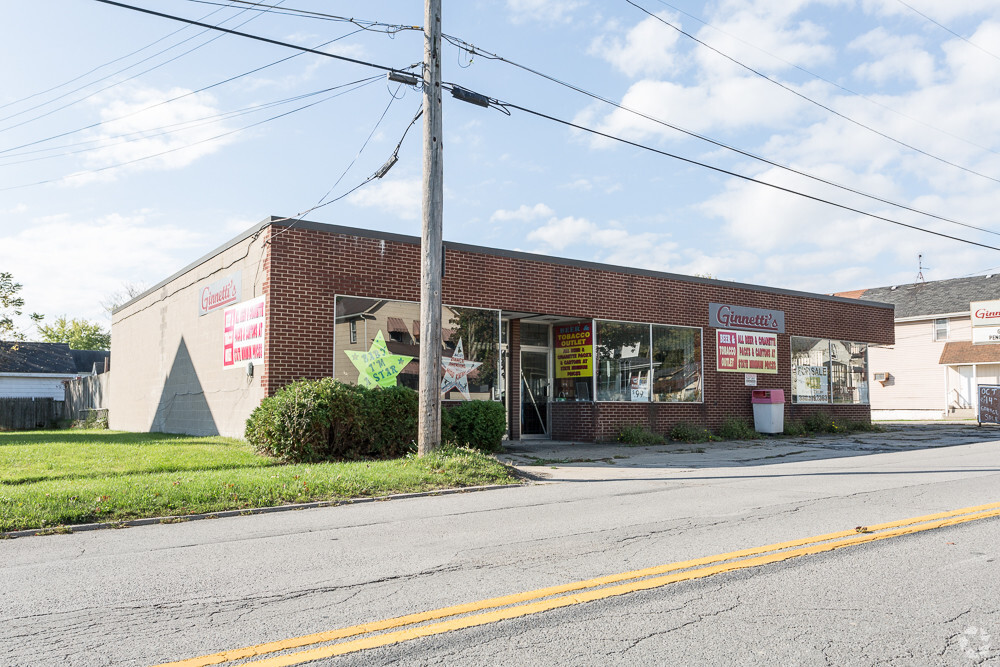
[
  {"x": 933, "y": 369},
  {"x": 37, "y": 370}
]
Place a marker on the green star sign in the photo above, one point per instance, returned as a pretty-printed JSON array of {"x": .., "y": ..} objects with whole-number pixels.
[{"x": 377, "y": 367}]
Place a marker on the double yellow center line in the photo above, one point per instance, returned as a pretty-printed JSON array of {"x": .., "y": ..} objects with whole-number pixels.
[{"x": 413, "y": 626}]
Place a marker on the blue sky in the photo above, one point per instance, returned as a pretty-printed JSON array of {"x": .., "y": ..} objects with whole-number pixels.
[{"x": 104, "y": 182}]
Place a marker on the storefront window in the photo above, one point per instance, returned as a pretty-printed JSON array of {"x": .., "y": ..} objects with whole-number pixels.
[
  {"x": 623, "y": 363},
  {"x": 377, "y": 343},
  {"x": 810, "y": 370},
  {"x": 849, "y": 371},
  {"x": 829, "y": 371},
  {"x": 676, "y": 364},
  {"x": 535, "y": 335}
]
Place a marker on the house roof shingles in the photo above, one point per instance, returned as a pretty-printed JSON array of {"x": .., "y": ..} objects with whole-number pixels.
[
  {"x": 19, "y": 357},
  {"x": 933, "y": 298}
]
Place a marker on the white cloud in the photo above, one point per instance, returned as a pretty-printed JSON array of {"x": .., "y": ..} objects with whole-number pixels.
[
  {"x": 68, "y": 264},
  {"x": 612, "y": 244},
  {"x": 899, "y": 57},
  {"x": 648, "y": 48},
  {"x": 400, "y": 198},
  {"x": 168, "y": 136},
  {"x": 558, "y": 11},
  {"x": 524, "y": 213}
]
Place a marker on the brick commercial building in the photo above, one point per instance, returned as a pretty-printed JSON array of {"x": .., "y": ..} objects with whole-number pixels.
[{"x": 575, "y": 350}]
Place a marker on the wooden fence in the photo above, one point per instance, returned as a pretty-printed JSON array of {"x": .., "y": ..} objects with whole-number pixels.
[
  {"x": 26, "y": 413},
  {"x": 87, "y": 394}
]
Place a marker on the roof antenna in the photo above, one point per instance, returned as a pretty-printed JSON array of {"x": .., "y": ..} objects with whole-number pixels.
[{"x": 920, "y": 268}]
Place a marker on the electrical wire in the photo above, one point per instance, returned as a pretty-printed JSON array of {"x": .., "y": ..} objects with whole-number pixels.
[
  {"x": 819, "y": 77},
  {"x": 388, "y": 28},
  {"x": 492, "y": 56},
  {"x": 948, "y": 30},
  {"x": 258, "y": 38},
  {"x": 811, "y": 100},
  {"x": 740, "y": 176},
  {"x": 120, "y": 82},
  {"x": 153, "y": 132},
  {"x": 172, "y": 99},
  {"x": 361, "y": 83},
  {"x": 102, "y": 66}
]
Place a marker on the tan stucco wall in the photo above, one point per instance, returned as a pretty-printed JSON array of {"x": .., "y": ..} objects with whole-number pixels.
[{"x": 168, "y": 359}]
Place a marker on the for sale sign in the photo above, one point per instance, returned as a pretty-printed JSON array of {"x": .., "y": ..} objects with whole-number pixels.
[{"x": 243, "y": 338}]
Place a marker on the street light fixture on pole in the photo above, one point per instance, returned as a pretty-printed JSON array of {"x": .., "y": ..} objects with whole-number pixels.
[{"x": 431, "y": 246}]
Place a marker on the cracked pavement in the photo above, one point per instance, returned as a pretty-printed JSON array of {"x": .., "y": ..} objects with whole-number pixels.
[{"x": 149, "y": 594}]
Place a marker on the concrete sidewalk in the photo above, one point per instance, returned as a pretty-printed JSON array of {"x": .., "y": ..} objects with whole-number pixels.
[{"x": 552, "y": 461}]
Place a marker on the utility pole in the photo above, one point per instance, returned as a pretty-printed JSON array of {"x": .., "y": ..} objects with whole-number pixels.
[{"x": 431, "y": 246}]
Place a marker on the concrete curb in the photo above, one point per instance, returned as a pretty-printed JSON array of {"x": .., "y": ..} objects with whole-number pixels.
[{"x": 64, "y": 530}]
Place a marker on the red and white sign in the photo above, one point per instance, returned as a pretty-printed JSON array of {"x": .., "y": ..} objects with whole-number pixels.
[
  {"x": 243, "y": 340},
  {"x": 985, "y": 313},
  {"x": 746, "y": 352},
  {"x": 221, "y": 293}
]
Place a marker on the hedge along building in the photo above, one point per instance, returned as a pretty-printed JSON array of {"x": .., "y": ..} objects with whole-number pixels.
[{"x": 573, "y": 349}]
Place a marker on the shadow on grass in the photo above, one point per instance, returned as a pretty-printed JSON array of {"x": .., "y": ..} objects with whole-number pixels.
[
  {"x": 73, "y": 436},
  {"x": 32, "y": 479}
]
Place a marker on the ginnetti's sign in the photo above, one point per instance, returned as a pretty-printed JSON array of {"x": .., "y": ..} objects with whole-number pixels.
[
  {"x": 222, "y": 292},
  {"x": 724, "y": 316},
  {"x": 985, "y": 321}
]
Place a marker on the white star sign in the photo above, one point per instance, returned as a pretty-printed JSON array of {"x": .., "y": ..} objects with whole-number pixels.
[{"x": 456, "y": 372}]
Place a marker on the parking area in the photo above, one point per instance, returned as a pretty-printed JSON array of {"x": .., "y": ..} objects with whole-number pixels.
[{"x": 547, "y": 460}]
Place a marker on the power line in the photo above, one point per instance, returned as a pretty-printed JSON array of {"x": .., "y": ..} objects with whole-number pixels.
[
  {"x": 388, "y": 28},
  {"x": 738, "y": 175},
  {"x": 948, "y": 30},
  {"x": 125, "y": 80},
  {"x": 152, "y": 132},
  {"x": 492, "y": 56},
  {"x": 809, "y": 99},
  {"x": 102, "y": 66},
  {"x": 829, "y": 82},
  {"x": 172, "y": 99},
  {"x": 266, "y": 40},
  {"x": 360, "y": 84}
]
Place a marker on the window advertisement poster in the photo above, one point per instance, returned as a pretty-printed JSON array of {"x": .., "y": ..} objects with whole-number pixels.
[
  {"x": 574, "y": 345},
  {"x": 244, "y": 333},
  {"x": 746, "y": 352},
  {"x": 812, "y": 384},
  {"x": 639, "y": 388}
]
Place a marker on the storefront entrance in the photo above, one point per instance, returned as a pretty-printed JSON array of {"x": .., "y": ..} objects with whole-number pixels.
[{"x": 535, "y": 392}]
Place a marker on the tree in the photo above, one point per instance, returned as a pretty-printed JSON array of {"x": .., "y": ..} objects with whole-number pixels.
[
  {"x": 11, "y": 306},
  {"x": 80, "y": 334}
]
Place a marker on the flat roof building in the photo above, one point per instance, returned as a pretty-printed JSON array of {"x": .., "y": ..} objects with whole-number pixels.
[{"x": 573, "y": 349}]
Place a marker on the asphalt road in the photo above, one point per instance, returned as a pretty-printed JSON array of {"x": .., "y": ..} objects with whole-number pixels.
[{"x": 148, "y": 595}]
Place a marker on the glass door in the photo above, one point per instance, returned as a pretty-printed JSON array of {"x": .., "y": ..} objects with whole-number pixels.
[{"x": 535, "y": 389}]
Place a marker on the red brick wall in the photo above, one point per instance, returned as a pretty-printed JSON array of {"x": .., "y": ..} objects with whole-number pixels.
[{"x": 307, "y": 268}]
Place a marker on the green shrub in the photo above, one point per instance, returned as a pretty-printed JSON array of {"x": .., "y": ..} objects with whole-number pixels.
[
  {"x": 317, "y": 420},
  {"x": 737, "y": 428},
  {"x": 820, "y": 422},
  {"x": 477, "y": 424},
  {"x": 634, "y": 434},
  {"x": 684, "y": 432},
  {"x": 794, "y": 428}
]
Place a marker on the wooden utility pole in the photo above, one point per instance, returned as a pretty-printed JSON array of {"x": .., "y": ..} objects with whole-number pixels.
[{"x": 431, "y": 246}]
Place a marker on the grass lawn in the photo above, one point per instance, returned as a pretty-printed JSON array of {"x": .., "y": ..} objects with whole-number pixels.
[{"x": 54, "y": 478}]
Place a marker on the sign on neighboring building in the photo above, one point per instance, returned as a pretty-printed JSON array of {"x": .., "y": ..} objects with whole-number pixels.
[
  {"x": 989, "y": 404},
  {"x": 244, "y": 333},
  {"x": 745, "y": 352},
  {"x": 574, "y": 350},
  {"x": 223, "y": 292},
  {"x": 985, "y": 322},
  {"x": 725, "y": 316}
]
